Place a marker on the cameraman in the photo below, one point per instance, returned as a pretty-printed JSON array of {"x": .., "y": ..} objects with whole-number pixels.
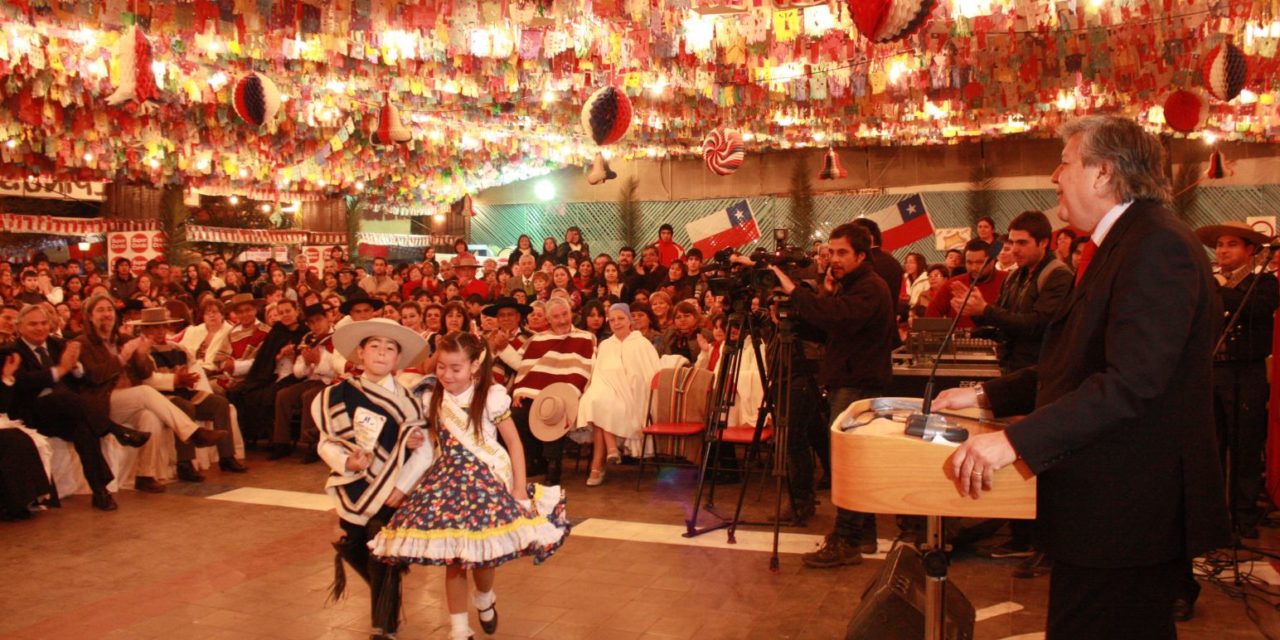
[{"x": 856, "y": 310}]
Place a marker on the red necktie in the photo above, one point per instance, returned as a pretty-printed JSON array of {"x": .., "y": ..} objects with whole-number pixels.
[{"x": 1086, "y": 256}]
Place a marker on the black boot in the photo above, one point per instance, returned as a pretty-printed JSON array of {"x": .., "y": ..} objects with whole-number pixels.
[{"x": 129, "y": 437}]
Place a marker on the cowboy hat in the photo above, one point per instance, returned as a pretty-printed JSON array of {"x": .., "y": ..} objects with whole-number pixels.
[
  {"x": 506, "y": 303},
  {"x": 348, "y": 337},
  {"x": 1209, "y": 234},
  {"x": 241, "y": 299},
  {"x": 153, "y": 317},
  {"x": 347, "y": 306},
  {"x": 466, "y": 261},
  {"x": 554, "y": 411},
  {"x": 312, "y": 310}
]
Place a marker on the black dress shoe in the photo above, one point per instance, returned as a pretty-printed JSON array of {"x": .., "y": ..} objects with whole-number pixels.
[
  {"x": 129, "y": 437},
  {"x": 232, "y": 465},
  {"x": 103, "y": 501},
  {"x": 1034, "y": 567},
  {"x": 205, "y": 437},
  {"x": 147, "y": 484},
  {"x": 310, "y": 457},
  {"x": 492, "y": 625},
  {"x": 1183, "y": 609},
  {"x": 187, "y": 472},
  {"x": 280, "y": 451}
]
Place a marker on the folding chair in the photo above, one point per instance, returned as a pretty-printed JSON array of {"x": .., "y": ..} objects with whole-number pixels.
[{"x": 678, "y": 399}]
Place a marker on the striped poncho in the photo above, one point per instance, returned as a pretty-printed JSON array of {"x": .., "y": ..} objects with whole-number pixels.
[{"x": 547, "y": 358}]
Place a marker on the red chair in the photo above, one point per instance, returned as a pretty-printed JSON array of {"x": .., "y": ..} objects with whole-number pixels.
[{"x": 678, "y": 401}]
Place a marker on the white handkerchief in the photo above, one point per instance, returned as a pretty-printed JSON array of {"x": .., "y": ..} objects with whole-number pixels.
[{"x": 368, "y": 426}]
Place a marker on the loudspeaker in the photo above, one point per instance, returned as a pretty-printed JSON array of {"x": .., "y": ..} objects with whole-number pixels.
[{"x": 892, "y": 606}]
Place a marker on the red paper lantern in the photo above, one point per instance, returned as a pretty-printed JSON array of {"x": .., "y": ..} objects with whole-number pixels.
[
  {"x": 1183, "y": 111},
  {"x": 1225, "y": 71},
  {"x": 256, "y": 99},
  {"x": 889, "y": 20},
  {"x": 606, "y": 115}
]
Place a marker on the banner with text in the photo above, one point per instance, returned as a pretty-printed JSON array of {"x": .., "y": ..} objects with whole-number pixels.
[{"x": 137, "y": 246}]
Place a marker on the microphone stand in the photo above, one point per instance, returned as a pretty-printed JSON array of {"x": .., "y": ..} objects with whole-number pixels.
[
  {"x": 935, "y": 556},
  {"x": 1233, "y": 433}
]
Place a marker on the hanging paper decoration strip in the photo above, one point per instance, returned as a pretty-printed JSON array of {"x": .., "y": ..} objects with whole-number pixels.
[
  {"x": 256, "y": 99},
  {"x": 606, "y": 115},
  {"x": 889, "y": 20},
  {"x": 1225, "y": 71},
  {"x": 57, "y": 226},
  {"x": 723, "y": 151}
]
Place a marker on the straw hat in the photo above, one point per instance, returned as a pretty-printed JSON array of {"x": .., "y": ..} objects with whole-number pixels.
[
  {"x": 554, "y": 411},
  {"x": 1209, "y": 234},
  {"x": 241, "y": 299},
  {"x": 153, "y": 317},
  {"x": 348, "y": 338},
  {"x": 465, "y": 261}
]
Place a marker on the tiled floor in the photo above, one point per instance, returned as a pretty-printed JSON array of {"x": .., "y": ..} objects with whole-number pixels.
[{"x": 257, "y": 565}]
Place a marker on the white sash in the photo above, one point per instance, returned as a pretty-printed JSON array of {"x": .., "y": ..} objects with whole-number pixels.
[{"x": 454, "y": 418}]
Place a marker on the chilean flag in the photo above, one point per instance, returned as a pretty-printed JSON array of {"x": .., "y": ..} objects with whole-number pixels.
[
  {"x": 732, "y": 227},
  {"x": 903, "y": 223}
]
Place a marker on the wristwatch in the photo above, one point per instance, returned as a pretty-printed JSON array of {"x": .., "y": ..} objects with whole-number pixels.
[{"x": 981, "y": 395}]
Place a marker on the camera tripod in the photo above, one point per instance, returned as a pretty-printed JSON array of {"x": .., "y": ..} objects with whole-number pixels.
[{"x": 776, "y": 381}]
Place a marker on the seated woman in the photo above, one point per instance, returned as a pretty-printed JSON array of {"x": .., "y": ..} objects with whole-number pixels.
[
  {"x": 614, "y": 404},
  {"x": 661, "y": 304},
  {"x": 681, "y": 338},
  {"x": 23, "y": 477},
  {"x": 645, "y": 323}
]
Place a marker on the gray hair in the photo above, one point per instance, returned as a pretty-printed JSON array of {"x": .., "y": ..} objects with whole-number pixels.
[
  {"x": 29, "y": 309},
  {"x": 1136, "y": 157},
  {"x": 557, "y": 302}
]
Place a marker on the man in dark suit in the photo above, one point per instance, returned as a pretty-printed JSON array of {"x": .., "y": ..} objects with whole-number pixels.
[
  {"x": 57, "y": 411},
  {"x": 1119, "y": 428}
]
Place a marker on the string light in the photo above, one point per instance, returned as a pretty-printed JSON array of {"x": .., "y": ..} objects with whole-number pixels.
[{"x": 234, "y": 200}]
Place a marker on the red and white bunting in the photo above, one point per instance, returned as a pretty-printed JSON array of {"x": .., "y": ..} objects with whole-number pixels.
[{"x": 73, "y": 227}]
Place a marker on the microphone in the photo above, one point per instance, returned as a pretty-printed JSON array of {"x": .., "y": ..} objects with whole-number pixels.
[
  {"x": 930, "y": 426},
  {"x": 922, "y": 420}
]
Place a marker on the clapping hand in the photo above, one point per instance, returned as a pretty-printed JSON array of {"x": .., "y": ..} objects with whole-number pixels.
[
  {"x": 975, "y": 305},
  {"x": 70, "y": 357},
  {"x": 186, "y": 379},
  {"x": 11, "y": 363}
]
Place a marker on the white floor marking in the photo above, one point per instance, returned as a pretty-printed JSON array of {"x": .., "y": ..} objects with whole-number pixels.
[
  {"x": 277, "y": 498},
  {"x": 997, "y": 610},
  {"x": 1037, "y": 635},
  {"x": 673, "y": 534}
]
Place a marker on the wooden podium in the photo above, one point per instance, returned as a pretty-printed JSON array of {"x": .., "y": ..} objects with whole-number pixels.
[{"x": 877, "y": 468}]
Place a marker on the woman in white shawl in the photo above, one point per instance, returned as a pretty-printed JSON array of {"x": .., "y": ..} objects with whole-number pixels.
[
  {"x": 210, "y": 340},
  {"x": 614, "y": 404}
]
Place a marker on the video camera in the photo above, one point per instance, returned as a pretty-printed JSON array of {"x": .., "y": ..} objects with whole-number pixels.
[{"x": 740, "y": 282}]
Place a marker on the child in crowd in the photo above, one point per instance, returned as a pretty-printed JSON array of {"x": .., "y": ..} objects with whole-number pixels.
[
  {"x": 473, "y": 511},
  {"x": 370, "y": 438}
]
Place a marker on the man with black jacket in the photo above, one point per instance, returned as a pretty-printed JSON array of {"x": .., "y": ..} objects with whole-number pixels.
[
  {"x": 1240, "y": 389},
  {"x": 855, "y": 308},
  {"x": 1029, "y": 298}
]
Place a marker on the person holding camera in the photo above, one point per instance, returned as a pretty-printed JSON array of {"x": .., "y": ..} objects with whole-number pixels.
[{"x": 855, "y": 308}]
